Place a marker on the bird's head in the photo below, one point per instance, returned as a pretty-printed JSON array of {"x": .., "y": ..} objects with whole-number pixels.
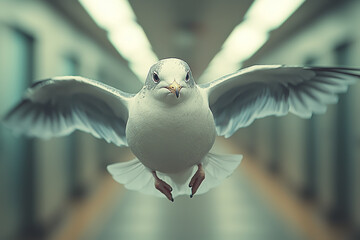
[{"x": 170, "y": 79}]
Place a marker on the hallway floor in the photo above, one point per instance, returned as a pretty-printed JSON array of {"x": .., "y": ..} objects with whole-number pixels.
[
  {"x": 235, "y": 210},
  {"x": 250, "y": 204}
]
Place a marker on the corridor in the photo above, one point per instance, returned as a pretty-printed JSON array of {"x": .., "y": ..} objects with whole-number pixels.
[
  {"x": 234, "y": 210},
  {"x": 299, "y": 178},
  {"x": 250, "y": 204}
]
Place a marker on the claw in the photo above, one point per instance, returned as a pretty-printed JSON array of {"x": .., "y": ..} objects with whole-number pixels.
[
  {"x": 196, "y": 180},
  {"x": 163, "y": 187}
]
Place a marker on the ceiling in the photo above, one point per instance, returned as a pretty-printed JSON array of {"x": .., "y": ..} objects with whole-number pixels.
[{"x": 191, "y": 30}]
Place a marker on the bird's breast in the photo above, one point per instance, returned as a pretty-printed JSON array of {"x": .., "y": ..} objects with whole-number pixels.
[{"x": 170, "y": 138}]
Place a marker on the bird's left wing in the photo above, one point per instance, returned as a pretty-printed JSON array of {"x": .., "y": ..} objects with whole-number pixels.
[
  {"x": 236, "y": 100},
  {"x": 60, "y": 105}
]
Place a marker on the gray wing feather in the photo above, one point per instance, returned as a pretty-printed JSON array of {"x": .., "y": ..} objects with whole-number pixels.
[
  {"x": 236, "y": 100},
  {"x": 60, "y": 105}
]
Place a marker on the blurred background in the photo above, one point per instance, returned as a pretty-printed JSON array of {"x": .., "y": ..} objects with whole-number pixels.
[{"x": 299, "y": 179}]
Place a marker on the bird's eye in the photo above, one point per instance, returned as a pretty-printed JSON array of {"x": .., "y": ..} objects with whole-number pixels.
[
  {"x": 187, "y": 77},
  {"x": 156, "y": 78}
]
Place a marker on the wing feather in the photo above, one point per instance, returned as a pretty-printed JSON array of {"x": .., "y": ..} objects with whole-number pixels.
[
  {"x": 237, "y": 99},
  {"x": 58, "y": 106}
]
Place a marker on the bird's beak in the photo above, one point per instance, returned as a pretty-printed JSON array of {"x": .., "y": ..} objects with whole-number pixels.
[{"x": 175, "y": 88}]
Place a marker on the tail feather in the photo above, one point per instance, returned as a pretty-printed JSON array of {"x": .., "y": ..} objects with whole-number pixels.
[
  {"x": 217, "y": 167},
  {"x": 135, "y": 176}
]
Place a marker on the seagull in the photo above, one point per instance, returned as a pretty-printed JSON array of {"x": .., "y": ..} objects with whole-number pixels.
[{"x": 171, "y": 123}]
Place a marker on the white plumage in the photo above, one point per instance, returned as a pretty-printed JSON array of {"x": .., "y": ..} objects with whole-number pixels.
[{"x": 171, "y": 124}]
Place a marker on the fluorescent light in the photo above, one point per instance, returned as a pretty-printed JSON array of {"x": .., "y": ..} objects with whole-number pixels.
[
  {"x": 243, "y": 42},
  {"x": 249, "y": 36},
  {"x": 108, "y": 14},
  {"x": 131, "y": 42},
  {"x": 217, "y": 70},
  {"x": 270, "y": 14},
  {"x": 127, "y": 36}
]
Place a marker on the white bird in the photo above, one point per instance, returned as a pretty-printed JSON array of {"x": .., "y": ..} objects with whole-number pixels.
[{"x": 171, "y": 123}]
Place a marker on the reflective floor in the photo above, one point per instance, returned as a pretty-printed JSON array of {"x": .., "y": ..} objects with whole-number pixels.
[
  {"x": 236, "y": 209},
  {"x": 251, "y": 204}
]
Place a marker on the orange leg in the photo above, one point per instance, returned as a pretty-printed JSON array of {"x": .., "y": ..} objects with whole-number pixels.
[
  {"x": 196, "y": 180},
  {"x": 163, "y": 187}
]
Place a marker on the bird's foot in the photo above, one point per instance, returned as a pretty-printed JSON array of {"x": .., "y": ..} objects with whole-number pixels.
[
  {"x": 163, "y": 187},
  {"x": 196, "y": 180}
]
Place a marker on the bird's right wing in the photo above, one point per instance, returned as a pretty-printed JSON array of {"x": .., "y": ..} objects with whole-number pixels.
[{"x": 60, "y": 105}]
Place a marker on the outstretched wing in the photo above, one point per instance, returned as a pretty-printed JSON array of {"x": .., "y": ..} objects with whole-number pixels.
[
  {"x": 60, "y": 105},
  {"x": 236, "y": 100}
]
